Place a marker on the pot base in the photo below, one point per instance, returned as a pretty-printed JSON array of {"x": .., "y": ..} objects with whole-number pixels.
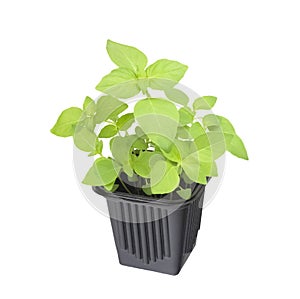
[{"x": 165, "y": 266}]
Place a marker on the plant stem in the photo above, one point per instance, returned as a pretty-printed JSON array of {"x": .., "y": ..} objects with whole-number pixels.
[
  {"x": 137, "y": 184},
  {"x": 123, "y": 184},
  {"x": 148, "y": 94}
]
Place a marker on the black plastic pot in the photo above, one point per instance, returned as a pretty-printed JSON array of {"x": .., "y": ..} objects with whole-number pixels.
[{"x": 154, "y": 234}]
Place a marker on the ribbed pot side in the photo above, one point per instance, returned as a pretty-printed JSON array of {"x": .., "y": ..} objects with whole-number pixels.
[{"x": 156, "y": 235}]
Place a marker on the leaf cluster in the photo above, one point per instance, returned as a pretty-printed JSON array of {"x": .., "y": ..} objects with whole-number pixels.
[{"x": 161, "y": 143}]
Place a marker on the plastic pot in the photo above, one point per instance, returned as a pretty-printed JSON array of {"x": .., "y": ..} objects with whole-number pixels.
[{"x": 154, "y": 234}]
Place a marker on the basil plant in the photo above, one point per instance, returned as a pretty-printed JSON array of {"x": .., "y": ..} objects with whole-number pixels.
[{"x": 155, "y": 143}]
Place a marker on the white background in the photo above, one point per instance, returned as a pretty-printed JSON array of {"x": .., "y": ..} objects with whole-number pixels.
[{"x": 53, "y": 243}]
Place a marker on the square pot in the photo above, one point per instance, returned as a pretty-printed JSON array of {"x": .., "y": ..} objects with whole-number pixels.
[{"x": 154, "y": 234}]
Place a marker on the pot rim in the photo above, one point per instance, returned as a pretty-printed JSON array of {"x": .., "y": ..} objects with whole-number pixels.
[{"x": 147, "y": 199}]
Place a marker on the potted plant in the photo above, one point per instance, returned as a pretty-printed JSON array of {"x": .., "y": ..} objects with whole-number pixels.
[{"x": 153, "y": 156}]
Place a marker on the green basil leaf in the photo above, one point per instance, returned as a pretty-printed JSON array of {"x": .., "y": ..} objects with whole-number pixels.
[
  {"x": 160, "y": 141},
  {"x": 184, "y": 147},
  {"x": 147, "y": 190},
  {"x": 108, "y": 131},
  {"x": 126, "y": 56},
  {"x": 196, "y": 170},
  {"x": 184, "y": 132},
  {"x": 128, "y": 169},
  {"x": 143, "y": 164},
  {"x": 87, "y": 121},
  {"x": 214, "y": 170},
  {"x": 164, "y": 177},
  {"x": 125, "y": 121},
  {"x": 121, "y": 83},
  {"x": 84, "y": 139},
  {"x": 98, "y": 150},
  {"x": 196, "y": 130},
  {"x": 173, "y": 154},
  {"x": 103, "y": 172},
  {"x": 140, "y": 132},
  {"x": 185, "y": 193},
  {"x": 211, "y": 120},
  {"x": 186, "y": 116},
  {"x": 197, "y": 165},
  {"x": 114, "y": 116},
  {"x": 158, "y": 118},
  {"x": 140, "y": 144},
  {"x": 185, "y": 178},
  {"x": 108, "y": 107},
  {"x": 216, "y": 122},
  {"x": 121, "y": 148},
  {"x": 177, "y": 96},
  {"x": 66, "y": 122},
  {"x": 217, "y": 143},
  {"x": 237, "y": 147},
  {"x": 205, "y": 103},
  {"x": 89, "y": 106},
  {"x": 164, "y": 74},
  {"x": 112, "y": 187},
  {"x": 233, "y": 142}
]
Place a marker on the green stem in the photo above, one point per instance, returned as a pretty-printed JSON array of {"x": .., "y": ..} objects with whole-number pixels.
[
  {"x": 148, "y": 94},
  {"x": 137, "y": 185},
  {"x": 123, "y": 184}
]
